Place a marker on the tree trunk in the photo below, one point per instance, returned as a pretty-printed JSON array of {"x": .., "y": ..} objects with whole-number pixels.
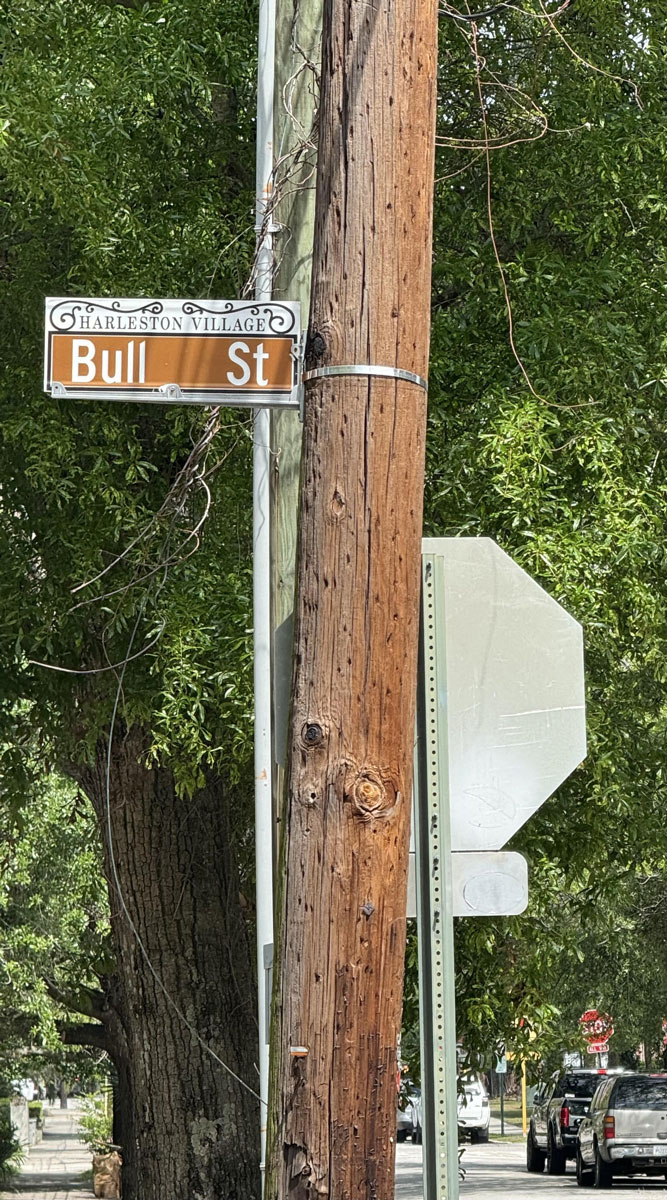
[
  {"x": 342, "y": 907},
  {"x": 121, "y": 1129},
  {"x": 194, "y": 1127}
]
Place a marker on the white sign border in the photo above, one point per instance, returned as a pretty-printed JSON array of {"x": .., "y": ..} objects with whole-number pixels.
[{"x": 72, "y": 314}]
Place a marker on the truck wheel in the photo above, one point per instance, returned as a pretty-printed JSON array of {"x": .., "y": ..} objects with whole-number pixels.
[
  {"x": 535, "y": 1158},
  {"x": 584, "y": 1174},
  {"x": 603, "y": 1176},
  {"x": 555, "y": 1157}
]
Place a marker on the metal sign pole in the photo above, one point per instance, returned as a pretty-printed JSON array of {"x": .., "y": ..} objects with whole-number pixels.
[
  {"x": 502, "y": 1105},
  {"x": 434, "y": 897},
  {"x": 261, "y": 507}
]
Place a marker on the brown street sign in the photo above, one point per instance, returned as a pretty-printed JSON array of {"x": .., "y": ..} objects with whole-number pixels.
[{"x": 173, "y": 351}]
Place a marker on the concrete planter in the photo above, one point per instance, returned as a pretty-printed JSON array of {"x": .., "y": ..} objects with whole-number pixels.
[
  {"x": 36, "y": 1130},
  {"x": 18, "y": 1115}
]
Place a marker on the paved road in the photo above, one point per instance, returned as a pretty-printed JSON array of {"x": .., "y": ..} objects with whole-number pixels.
[
  {"x": 497, "y": 1171},
  {"x": 53, "y": 1168}
]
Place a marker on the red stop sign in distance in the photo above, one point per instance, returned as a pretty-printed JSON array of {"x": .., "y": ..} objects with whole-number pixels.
[{"x": 596, "y": 1026}]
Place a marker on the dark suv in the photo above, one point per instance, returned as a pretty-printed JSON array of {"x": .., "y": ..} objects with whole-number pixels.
[{"x": 558, "y": 1109}]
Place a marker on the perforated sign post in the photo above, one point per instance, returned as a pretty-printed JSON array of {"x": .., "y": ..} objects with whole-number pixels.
[
  {"x": 242, "y": 353},
  {"x": 501, "y": 723}
]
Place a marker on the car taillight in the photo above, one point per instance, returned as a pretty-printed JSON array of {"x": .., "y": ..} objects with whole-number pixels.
[
  {"x": 565, "y": 1117},
  {"x": 609, "y": 1127}
]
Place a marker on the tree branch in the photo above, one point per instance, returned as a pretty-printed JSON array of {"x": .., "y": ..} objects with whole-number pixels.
[
  {"x": 85, "y": 1034},
  {"x": 87, "y": 1001}
]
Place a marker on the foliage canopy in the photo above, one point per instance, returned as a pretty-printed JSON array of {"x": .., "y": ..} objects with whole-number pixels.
[
  {"x": 560, "y": 457},
  {"x": 125, "y": 168}
]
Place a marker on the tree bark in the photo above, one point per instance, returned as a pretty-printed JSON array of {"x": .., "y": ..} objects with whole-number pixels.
[
  {"x": 121, "y": 1129},
  {"x": 342, "y": 908},
  {"x": 193, "y": 1128}
]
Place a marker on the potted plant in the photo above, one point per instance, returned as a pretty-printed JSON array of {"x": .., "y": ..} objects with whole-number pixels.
[
  {"x": 11, "y": 1152},
  {"x": 95, "y": 1127}
]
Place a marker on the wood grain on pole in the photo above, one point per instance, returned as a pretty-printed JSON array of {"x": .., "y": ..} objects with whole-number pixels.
[
  {"x": 298, "y": 56},
  {"x": 342, "y": 894}
]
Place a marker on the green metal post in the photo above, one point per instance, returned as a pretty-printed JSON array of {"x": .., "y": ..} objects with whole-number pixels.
[
  {"x": 434, "y": 897},
  {"x": 502, "y": 1105}
]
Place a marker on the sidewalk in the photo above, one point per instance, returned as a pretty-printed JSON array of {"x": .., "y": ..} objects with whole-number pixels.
[
  {"x": 512, "y": 1126},
  {"x": 53, "y": 1169}
]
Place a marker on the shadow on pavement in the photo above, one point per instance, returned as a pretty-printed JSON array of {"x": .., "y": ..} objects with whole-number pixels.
[
  {"x": 503, "y": 1179},
  {"x": 58, "y": 1136},
  {"x": 27, "y": 1184}
]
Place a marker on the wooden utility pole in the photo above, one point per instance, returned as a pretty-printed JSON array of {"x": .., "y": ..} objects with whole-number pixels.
[
  {"x": 298, "y": 53},
  {"x": 342, "y": 892}
]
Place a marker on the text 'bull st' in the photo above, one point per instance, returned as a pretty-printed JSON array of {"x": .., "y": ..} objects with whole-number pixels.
[{"x": 194, "y": 362}]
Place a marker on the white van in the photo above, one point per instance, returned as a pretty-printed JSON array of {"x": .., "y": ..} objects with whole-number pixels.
[{"x": 474, "y": 1113}]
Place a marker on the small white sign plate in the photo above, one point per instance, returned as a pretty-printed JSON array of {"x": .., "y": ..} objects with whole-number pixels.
[
  {"x": 489, "y": 884},
  {"x": 484, "y": 884}
]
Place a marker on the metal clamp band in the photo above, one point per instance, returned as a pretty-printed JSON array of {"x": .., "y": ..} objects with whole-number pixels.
[{"x": 382, "y": 372}]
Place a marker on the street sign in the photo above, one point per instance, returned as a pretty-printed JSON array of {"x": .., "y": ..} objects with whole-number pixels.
[
  {"x": 515, "y": 692},
  {"x": 500, "y": 723},
  {"x": 242, "y": 353},
  {"x": 596, "y": 1028},
  {"x": 501, "y": 1065}
]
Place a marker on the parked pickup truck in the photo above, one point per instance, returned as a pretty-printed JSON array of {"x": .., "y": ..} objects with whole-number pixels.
[{"x": 559, "y": 1107}]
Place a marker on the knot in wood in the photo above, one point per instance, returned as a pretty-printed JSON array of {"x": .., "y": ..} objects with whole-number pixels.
[
  {"x": 369, "y": 796},
  {"x": 316, "y": 348},
  {"x": 312, "y": 735},
  {"x": 337, "y": 504}
]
